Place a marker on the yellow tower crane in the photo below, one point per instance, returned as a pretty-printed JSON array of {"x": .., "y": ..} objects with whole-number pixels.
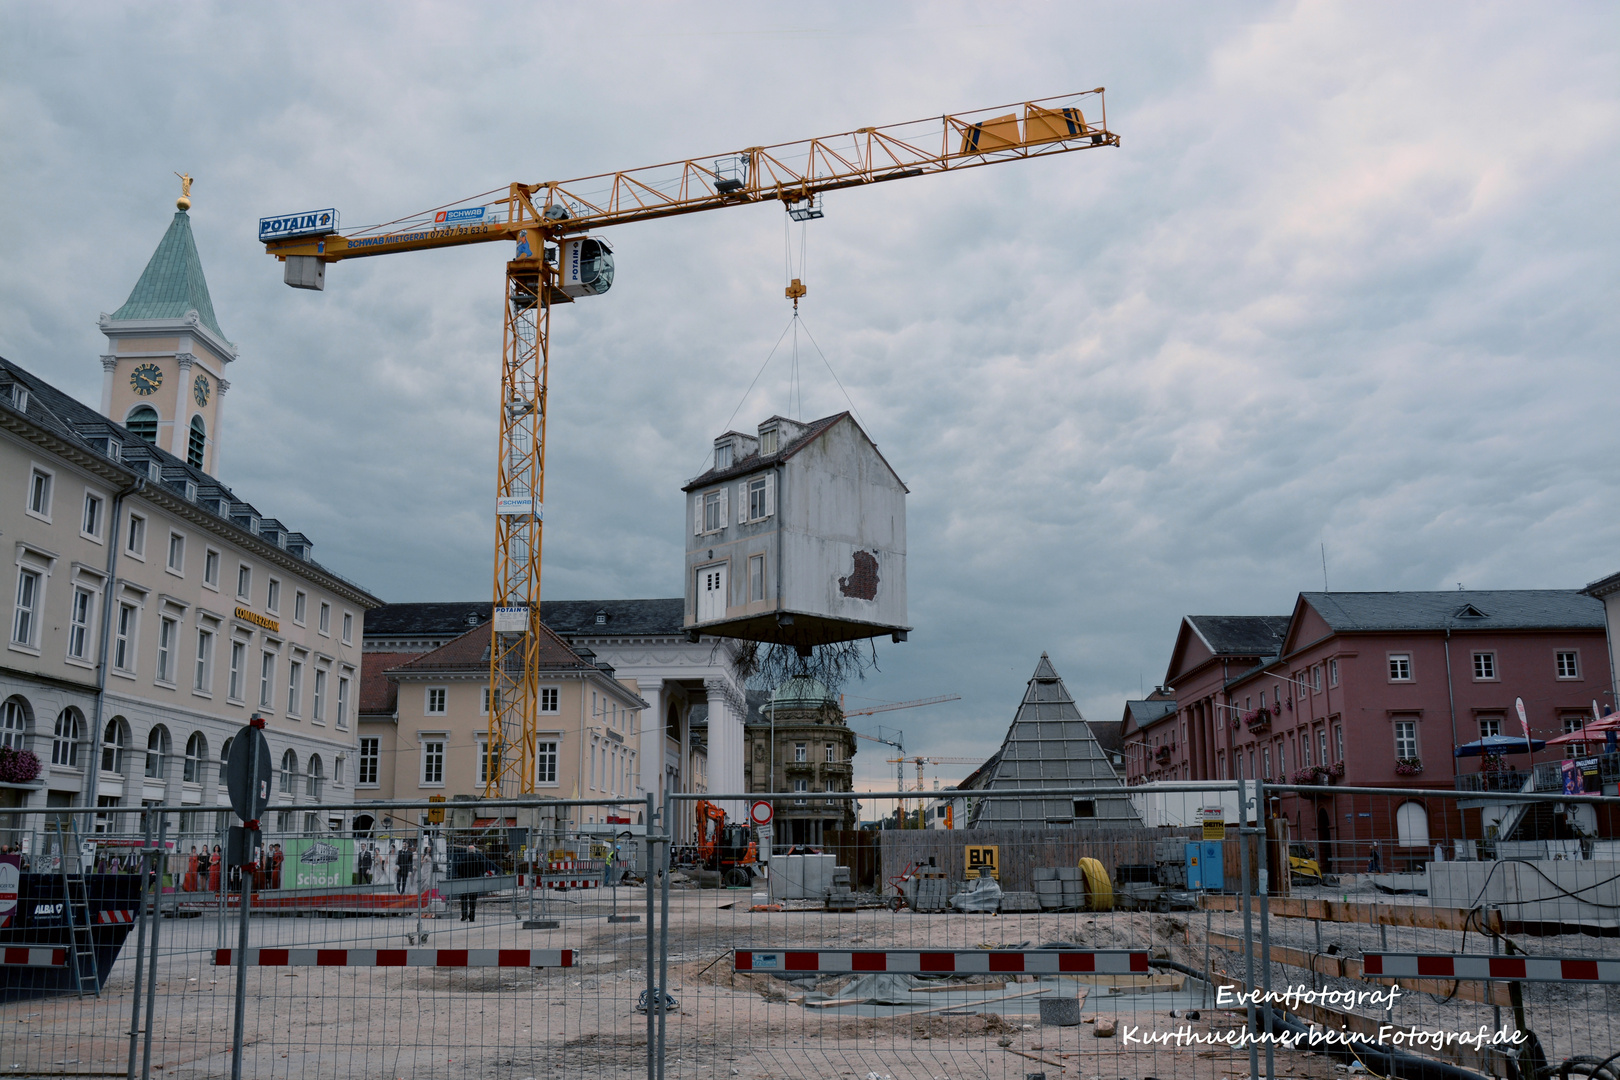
[{"x": 555, "y": 262}]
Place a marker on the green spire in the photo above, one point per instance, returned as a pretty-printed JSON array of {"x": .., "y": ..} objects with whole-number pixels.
[{"x": 172, "y": 283}]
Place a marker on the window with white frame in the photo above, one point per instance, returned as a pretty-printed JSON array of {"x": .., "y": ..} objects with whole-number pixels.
[
  {"x": 65, "y": 738},
  {"x": 1573, "y": 722},
  {"x": 1400, "y": 667},
  {"x": 756, "y": 577},
  {"x": 1305, "y": 751},
  {"x": 14, "y": 724},
  {"x": 114, "y": 741},
  {"x": 1333, "y": 672},
  {"x": 157, "y": 753},
  {"x": 203, "y": 681},
  {"x": 832, "y": 752},
  {"x": 1321, "y": 745},
  {"x": 300, "y": 606},
  {"x": 801, "y": 751},
  {"x": 549, "y": 698},
  {"x": 177, "y": 553},
  {"x": 592, "y": 773},
  {"x": 713, "y": 505},
  {"x": 1338, "y": 741},
  {"x": 1484, "y": 665},
  {"x": 168, "y": 638},
  {"x": 289, "y": 773},
  {"x": 337, "y": 771},
  {"x": 224, "y": 758},
  {"x": 348, "y": 628},
  {"x": 267, "y": 679},
  {"x": 343, "y": 701},
  {"x": 196, "y": 758},
  {"x": 325, "y": 624},
  {"x": 319, "y": 712},
  {"x": 800, "y": 786},
  {"x": 545, "y": 762},
  {"x": 435, "y": 701},
  {"x": 90, "y": 522},
  {"x": 1265, "y": 762},
  {"x": 124, "y": 632},
  {"x": 238, "y": 670},
  {"x": 1316, "y": 678},
  {"x": 272, "y": 597},
  {"x": 432, "y": 760},
  {"x": 244, "y": 583},
  {"x": 295, "y": 687},
  {"x": 40, "y": 482},
  {"x": 760, "y": 497},
  {"x": 30, "y": 596},
  {"x": 370, "y": 760},
  {"x": 1567, "y": 665},
  {"x": 136, "y": 544},
  {"x": 1406, "y": 743},
  {"x": 211, "y": 568},
  {"x": 1490, "y": 726},
  {"x": 313, "y": 776}
]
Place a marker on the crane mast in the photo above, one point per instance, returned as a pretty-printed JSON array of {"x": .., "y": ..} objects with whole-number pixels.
[{"x": 555, "y": 262}]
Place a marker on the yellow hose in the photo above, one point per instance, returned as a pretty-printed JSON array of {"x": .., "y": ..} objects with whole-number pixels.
[{"x": 1099, "y": 891}]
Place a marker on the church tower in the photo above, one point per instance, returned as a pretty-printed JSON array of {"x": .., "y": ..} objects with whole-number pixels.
[{"x": 166, "y": 355}]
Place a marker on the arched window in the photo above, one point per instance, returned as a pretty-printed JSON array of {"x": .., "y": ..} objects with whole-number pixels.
[
  {"x": 143, "y": 421},
  {"x": 363, "y": 824},
  {"x": 157, "y": 753},
  {"x": 1412, "y": 825},
  {"x": 197, "y": 442},
  {"x": 114, "y": 741},
  {"x": 14, "y": 723},
  {"x": 196, "y": 756},
  {"x": 65, "y": 738},
  {"x": 289, "y": 772},
  {"x": 313, "y": 777},
  {"x": 224, "y": 757}
]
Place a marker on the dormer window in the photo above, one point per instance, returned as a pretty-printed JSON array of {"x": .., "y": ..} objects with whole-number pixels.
[
  {"x": 601, "y": 617},
  {"x": 722, "y": 455},
  {"x": 767, "y": 441}
]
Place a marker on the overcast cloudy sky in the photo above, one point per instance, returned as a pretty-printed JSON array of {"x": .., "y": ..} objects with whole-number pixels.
[{"x": 1350, "y": 281}]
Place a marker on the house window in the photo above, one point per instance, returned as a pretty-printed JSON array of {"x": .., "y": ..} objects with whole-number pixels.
[
  {"x": 343, "y": 701},
  {"x": 1400, "y": 667},
  {"x": 801, "y": 786},
  {"x": 832, "y": 753},
  {"x": 25, "y": 623},
  {"x": 244, "y": 583},
  {"x": 143, "y": 423},
  {"x": 168, "y": 630},
  {"x": 224, "y": 760},
  {"x": 1083, "y": 808},
  {"x": 433, "y": 761},
  {"x": 326, "y": 618},
  {"x": 1333, "y": 672},
  {"x": 1305, "y": 752},
  {"x": 768, "y": 441},
  {"x": 196, "y": 441},
  {"x": 1490, "y": 726},
  {"x": 370, "y": 758},
  {"x": 1321, "y": 745},
  {"x": 124, "y": 638},
  {"x": 300, "y": 603},
  {"x": 348, "y": 628},
  {"x": 157, "y": 753},
  {"x": 314, "y": 776},
  {"x": 337, "y": 771},
  {"x": 90, "y": 524},
  {"x": 289, "y": 774},
  {"x": 1568, "y": 665},
  {"x": 1338, "y": 741},
  {"x": 320, "y": 695},
  {"x": 177, "y": 552},
  {"x": 436, "y": 696},
  {"x": 65, "y": 739},
  {"x": 295, "y": 687},
  {"x": 1406, "y": 744},
  {"x": 545, "y": 762},
  {"x": 1484, "y": 665},
  {"x": 722, "y": 456},
  {"x": 267, "y": 680},
  {"x": 711, "y": 512},
  {"x": 486, "y": 766},
  {"x": 13, "y": 724},
  {"x": 39, "y": 494},
  {"x": 593, "y": 763},
  {"x": 204, "y": 680},
  {"x": 211, "y": 568},
  {"x": 196, "y": 755},
  {"x": 114, "y": 740},
  {"x": 272, "y": 596},
  {"x": 137, "y": 536},
  {"x": 801, "y": 751},
  {"x": 756, "y": 577},
  {"x": 549, "y": 699},
  {"x": 759, "y": 499},
  {"x": 1265, "y": 762},
  {"x": 238, "y": 660},
  {"x": 1316, "y": 678}
]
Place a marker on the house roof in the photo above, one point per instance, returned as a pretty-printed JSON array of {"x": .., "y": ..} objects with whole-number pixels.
[
  {"x": 470, "y": 652},
  {"x": 1241, "y": 635},
  {"x": 1147, "y": 713},
  {"x": 440, "y": 619},
  {"x": 1498, "y": 609},
  {"x": 172, "y": 283},
  {"x": 377, "y": 693},
  {"x": 1603, "y": 586},
  {"x": 814, "y": 430}
]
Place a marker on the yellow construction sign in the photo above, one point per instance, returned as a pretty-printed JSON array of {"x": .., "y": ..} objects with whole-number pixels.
[
  {"x": 982, "y": 860},
  {"x": 436, "y": 813}
]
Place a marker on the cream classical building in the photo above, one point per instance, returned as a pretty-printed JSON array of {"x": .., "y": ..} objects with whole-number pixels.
[{"x": 152, "y": 610}]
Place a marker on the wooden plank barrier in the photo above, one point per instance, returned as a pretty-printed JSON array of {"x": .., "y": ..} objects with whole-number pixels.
[
  {"x": 1348, "y": 967},
  {"x": 1428, "y": 918}
]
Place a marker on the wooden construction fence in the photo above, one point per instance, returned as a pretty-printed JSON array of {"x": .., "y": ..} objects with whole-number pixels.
[{"x": 1020, "y": 851}]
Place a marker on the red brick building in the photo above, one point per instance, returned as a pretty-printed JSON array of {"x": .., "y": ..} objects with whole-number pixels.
[{"x": 1372, "y": 690}]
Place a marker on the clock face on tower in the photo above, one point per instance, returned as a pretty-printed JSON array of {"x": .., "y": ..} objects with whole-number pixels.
[
  {"x": 200, "y": 390},
  {"x": 145, "y": 379}
]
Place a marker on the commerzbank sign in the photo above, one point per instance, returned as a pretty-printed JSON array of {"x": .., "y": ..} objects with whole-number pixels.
[{"x": 258, "y": 620}]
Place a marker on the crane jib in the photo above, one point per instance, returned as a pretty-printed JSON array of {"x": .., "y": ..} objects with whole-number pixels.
[{"x": 454, "y": 232}]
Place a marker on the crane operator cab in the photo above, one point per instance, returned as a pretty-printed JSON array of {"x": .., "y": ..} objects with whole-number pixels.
[{"x": 585, "y": 267}]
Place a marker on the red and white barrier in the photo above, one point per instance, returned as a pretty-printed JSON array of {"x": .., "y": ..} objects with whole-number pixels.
[
  {"x": 449, "y": 958},
  {"x": 1514, "y": 968},
  {"x": 115, "y": 917},
  {"x": 26, "y": 957},
  {"x": 960, "y": 962}
]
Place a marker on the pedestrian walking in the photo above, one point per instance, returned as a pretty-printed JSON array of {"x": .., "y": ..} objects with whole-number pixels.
[{"x": 402, "y": 868}]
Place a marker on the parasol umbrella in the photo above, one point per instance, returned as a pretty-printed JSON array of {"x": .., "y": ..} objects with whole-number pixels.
[
  {"x": 1498, "y": 744},
  {"x": 1596, "y": 731}
]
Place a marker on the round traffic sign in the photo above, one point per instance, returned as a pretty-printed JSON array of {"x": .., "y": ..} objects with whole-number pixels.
[
  {"x": 760, "y": 813},
  {"x": 247, "y": 773}
]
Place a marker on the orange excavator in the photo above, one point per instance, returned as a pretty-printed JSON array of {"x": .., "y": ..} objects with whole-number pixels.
[{"x": 729, "y": 850}]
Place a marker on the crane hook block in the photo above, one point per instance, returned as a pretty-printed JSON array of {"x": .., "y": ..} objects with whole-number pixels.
[{"x": 795, "y": 290}]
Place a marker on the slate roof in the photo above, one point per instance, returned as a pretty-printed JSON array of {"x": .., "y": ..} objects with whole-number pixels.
[
  {"x": 1497, "y": 609},
  {"x": 812, "y": 431},
  {"x": 75, "y": 423},
  {"x": 660, "y": 617},
  {"x": 172, "y": 283},
  {"x": 1603, "y": 586},
  {"x": 1144, "y": 713},
  {"x": 1241, "y": 635}
]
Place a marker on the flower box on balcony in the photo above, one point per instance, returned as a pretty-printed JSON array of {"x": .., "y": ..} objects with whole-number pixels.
[
  {"x": 18, "y": 766},
  {"x": 1257, "y": 721},
  {"x": 1408, "y": 766}
]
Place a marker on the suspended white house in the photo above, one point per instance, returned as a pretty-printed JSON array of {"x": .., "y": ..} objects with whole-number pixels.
[{"x": 796, "y": 536}]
